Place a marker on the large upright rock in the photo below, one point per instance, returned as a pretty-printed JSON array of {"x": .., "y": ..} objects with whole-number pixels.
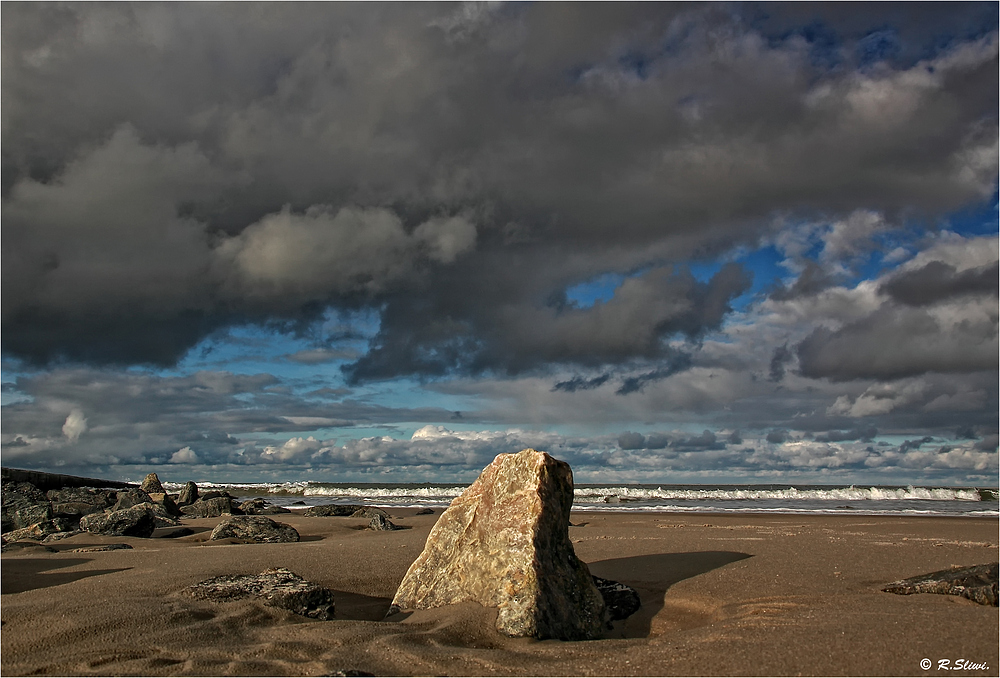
[
  {"x": 504, "y": 543},
  {"x": 188, "y": 495}
]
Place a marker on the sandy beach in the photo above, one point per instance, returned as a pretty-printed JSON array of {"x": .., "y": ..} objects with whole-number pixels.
[{"x": 721, "y": 595}]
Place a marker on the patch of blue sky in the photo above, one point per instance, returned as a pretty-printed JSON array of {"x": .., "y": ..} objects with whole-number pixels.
[
  {"x": 979, "y": 218},
  {"x": 599, "y": 289}
]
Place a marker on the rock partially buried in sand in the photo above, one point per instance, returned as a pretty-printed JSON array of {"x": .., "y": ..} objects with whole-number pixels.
[
  {"x": 136, "y": 521},
  {"x": 210, "y": 508},
  {"x": 255, "y": 529},
  {"x": 277, "y": 587},
  {"x": 379, "y": 522},
  {"x": 504, "y": 543},
  {"x": 978, "y": 583},
  {"x": 259, "y": 507}
]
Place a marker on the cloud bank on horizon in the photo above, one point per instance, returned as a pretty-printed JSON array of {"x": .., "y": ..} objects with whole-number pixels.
[{"x": 691, "y": 242}]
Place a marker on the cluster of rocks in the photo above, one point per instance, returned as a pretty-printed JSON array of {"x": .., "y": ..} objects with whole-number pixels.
[{"x": 29, "y": 513}]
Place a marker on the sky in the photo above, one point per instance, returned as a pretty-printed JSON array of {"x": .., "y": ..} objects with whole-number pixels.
[{"x": 367, "y": 242}]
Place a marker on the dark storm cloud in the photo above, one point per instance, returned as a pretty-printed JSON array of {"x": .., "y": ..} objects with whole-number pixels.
[
  {"x": 896, "y": 342},
  {"x": 938, "y": 281},
  {"x": 173, "y": 169}
]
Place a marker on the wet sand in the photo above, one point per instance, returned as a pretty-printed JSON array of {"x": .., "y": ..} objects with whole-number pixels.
[{"x": 721, "y": 595}]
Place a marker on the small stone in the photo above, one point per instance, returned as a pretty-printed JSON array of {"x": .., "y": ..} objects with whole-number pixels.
[
  {"x": 105, "y": 547},
  {"x": 136, "y": 521},
  {"x": 254, "y": 529},
  {"x": 424, "y": 512},
  {"x": 978, "y": 583},
  {"x": 151, "y": 485},
  {"x": 379, "y": 522},
  {"x": 369, "y": 512},
  {"x": 504, "y": 543},
  {"x": 277, "y": 587}
]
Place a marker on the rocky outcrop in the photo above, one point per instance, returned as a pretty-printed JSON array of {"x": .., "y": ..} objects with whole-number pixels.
[
  {"x": 75, "y": 502},
  {"x": 211, "y": 508},
  {"x": 188, "y": 495},
  {"x": 380, "y": 523},
  {"x": 151, "y": 485},
  {"x": 504, "y": 543},
  {"x": 39, "y": 530},
  {"x": 978, "y": 583},
  {"x": 259, "y": 507},
  {"x": 276, "y": 587},
  {"x": 135, "y": 521},
  {"x": 23, "y": 505},
  {"x": 254, "y": 529}
]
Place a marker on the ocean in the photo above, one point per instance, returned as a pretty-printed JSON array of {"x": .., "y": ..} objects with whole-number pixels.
[{"x": 661, "y": 498}]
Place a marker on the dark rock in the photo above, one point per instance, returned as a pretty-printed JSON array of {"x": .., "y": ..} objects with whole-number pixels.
[
  {"x": 505, "y": 543},
  {"x": 24, "y": 515},
  {"x": 369, "y": 512},
  {"x": 188, "y": 495},
  {"x": 211, "y": 508},
  {"x": 83, "y": 495},
  {"x": 978, "y": 583},
  {"x": 104, "y": 547},
  {"x": 424, "y": 512},
  {"x": 259, "y": 507},
  {"x": 381, "y": 523},
  {"x": 163, "y": 500},
  {"x": 136, "y": 521},
  {"x": 74, "y": 509},
  {"x": 622, "y": 601},
  {"x": 182, "y": 532},
  {"x": 130, "y": 498},
  {"x": 277, "y": 587},
  {"x": 298, "y": 503},
  {"x": 151, "y": 485},
  {"x": 22, "y": 490},
  {"x": 254, "y": 529},
  {"x": 333, "y": 510},
  {"x": 163, "y": 517}
]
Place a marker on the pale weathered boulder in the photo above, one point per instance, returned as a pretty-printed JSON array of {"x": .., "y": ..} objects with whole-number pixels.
[
  {"x": 151, "y": 485},
  {"x": 276, "y": 587},
  {"x": 504, "y": 543},
  {"x": 188, "y": 495},
  {"x": 40, "y": 530},
  {"x": 135, "y": 521},
  {"x": 255, "y": 529}
]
